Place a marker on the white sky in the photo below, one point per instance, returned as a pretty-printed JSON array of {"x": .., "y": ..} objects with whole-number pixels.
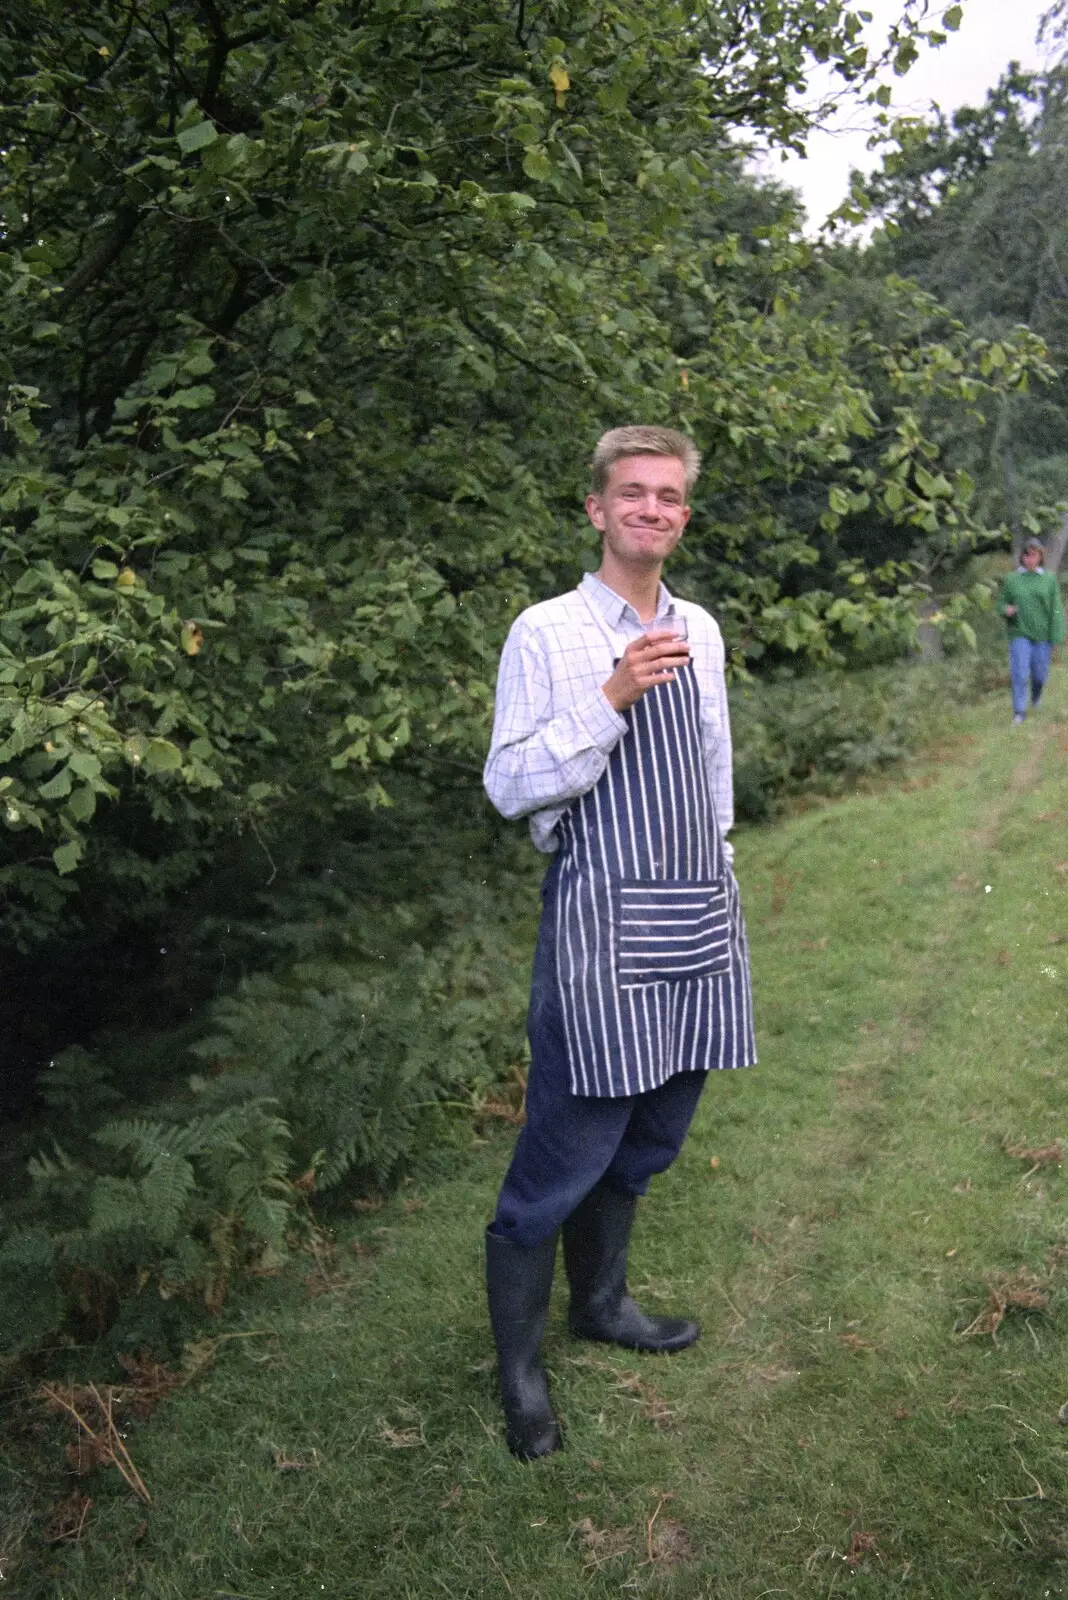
[{"x": 992, "y": 33}]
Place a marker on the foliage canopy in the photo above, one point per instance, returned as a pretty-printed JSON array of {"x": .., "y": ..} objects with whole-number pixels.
[{"x": 310, "y": 314}]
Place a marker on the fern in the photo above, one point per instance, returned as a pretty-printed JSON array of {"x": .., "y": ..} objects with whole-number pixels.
[
  {"x": 145, "y": 1141},
  {"x": 78, "y": 1085},
  {"x": 115, "y": 1207},
  {"x": 358, "y": 1067},
  {"x": 187, "y": 1205},
  {"x": 189, "y": 1261},
  {"x": 165, "y": 1190},
  {"x": 352, "y": 1073},
  {"x": 32, "y": 1301}
]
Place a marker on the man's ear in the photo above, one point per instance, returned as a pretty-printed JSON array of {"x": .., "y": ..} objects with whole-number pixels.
[{"x": 595, "y": 511}]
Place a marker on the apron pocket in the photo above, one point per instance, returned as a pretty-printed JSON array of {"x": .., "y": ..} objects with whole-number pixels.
[{"x": 668, "y": 931}]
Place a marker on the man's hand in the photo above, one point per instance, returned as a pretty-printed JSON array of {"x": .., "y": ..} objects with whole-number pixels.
[
  {"x": 645, "y": 662},
  {"x": 1010, "y": 611}
]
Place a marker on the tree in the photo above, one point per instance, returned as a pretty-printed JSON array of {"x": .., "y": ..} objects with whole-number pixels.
[
  {"x": 310, "y": 311},
  {"x": 973, "y": 211}
]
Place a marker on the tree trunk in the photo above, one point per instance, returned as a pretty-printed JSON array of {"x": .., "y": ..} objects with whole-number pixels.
[
  {"x": 928, "y": 638},
  {"x": 1012, "y": 497},
  {"x": 1056, "y": 545}
]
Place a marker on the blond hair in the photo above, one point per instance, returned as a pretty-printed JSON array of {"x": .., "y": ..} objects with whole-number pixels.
[{"x": 642, "y": 441}]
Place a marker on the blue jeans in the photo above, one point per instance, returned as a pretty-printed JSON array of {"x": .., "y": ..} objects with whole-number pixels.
[
  {"x": 569, "y": 1142},
  {"x": 1028, "y": 667}
]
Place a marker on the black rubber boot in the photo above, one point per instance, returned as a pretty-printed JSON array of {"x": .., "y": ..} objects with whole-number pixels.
[
  {"x": 596, "y": 1237},
  {"x": 518, "y": 1281}
]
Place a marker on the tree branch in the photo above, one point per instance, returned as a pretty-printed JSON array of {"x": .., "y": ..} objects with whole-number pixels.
[
  {"x": 108, "y": 250},
  {"x": 513, "y": 355}
]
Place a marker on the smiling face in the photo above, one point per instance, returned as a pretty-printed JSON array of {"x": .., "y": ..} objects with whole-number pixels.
[
  {"x": 1031, "y": 558},
  {"x": 642, "y": 511}
]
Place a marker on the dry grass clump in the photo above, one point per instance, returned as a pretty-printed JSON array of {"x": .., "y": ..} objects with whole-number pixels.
[
  {"x": 505, "y": 1102},
  {"x": 602, "y": 1544},
  {"x": 408, "y": 1434},
  {"x": 651, "y": 1404},
  {"x": 1007, "y": 1292},
  {"x": 68, "y": 1519},
  {"x": 668, "y": 1543},
  {"x": 98, "y": 1440},
  {"x": 1045, "y": 1155}
]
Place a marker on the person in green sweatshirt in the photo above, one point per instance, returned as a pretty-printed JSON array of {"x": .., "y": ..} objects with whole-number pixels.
[{"x": 1030, "y": 602}]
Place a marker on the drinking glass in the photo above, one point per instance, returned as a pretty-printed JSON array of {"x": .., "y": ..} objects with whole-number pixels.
[{"x": 674, "y": 624}]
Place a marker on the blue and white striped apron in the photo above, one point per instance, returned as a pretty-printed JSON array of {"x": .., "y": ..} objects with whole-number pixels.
[{"x": 651, "y": 952}]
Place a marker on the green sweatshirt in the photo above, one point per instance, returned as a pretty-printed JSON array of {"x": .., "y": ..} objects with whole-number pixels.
[{"x": 1037, "y": 598}]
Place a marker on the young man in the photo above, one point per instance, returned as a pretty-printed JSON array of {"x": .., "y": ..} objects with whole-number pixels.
[
  {"x": 611, "y": 734},
  {"x": 1030, "y": 602}
]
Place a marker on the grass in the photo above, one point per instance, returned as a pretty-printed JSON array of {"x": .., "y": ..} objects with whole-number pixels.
[{"x": 840, "y": 1217}]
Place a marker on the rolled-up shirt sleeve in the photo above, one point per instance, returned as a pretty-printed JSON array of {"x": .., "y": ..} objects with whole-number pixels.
[{"x": 537, "y": 759}]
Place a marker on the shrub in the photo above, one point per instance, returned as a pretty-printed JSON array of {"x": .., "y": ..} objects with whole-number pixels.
[
  {"x": 363, "y": 1067},
  {"x": 159, "y": 1188},
  {"x": 174, "y": 1207},
  {"x": 819, "y": 733}
]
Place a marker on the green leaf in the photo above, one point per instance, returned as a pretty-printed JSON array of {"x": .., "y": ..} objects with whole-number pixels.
[
  {"x": 196, "y": 137},
  {"x": 58, "y": 787},
  {"x": 81, "y": 806},
  {"x": 85, "y": 764},
  {"x": 68, "y": 855},
  {"x": 191, "y": 399},
  {"x": 161, "y": 375},
  {"x": 951, "y": 19},
  {"x": 162, "y": 756},
  {"x": 536, "y": 164}
]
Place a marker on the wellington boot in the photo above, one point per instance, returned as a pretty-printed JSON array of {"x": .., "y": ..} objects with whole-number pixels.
[
  {"x": 518, "y": 1281},
  {"x": 596, "y": 1238}
]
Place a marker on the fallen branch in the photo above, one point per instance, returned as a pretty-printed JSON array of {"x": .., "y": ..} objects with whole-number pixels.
[{"x": 106, "y": 1445}]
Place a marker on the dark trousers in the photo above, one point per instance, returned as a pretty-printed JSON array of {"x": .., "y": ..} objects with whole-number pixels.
[{"x": 571, "y": 1142}]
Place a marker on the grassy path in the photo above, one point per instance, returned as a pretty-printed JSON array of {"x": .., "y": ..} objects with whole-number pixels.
[{"x": 839, "y": 1216}]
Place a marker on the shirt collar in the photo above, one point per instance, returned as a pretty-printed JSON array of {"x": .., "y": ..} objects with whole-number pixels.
[
  {"x": 613, "y": 608},
  {"x": 1031, "y": 569}
]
